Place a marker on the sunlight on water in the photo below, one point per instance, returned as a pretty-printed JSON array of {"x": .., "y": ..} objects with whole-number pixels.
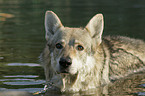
[
  {"x": 25, "y": 76},
  {"x": 23, "y": 64},
  {"x": 30, "y": 90},
  {"x": 141, "y": 94},
  {"x": 18, "y": 81},
  {"x": 23, "y": 82}
]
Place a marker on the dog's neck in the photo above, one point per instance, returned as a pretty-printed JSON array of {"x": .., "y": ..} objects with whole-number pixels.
[{"x": 73, "y": 83}]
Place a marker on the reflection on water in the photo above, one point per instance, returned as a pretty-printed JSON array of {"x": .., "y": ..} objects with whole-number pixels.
[
  {"x": 4, "y": 16},
  {"x": 21, "y": 80},
  {"x": 22, "y": 39},
  {"x": 23, "y": 64}
]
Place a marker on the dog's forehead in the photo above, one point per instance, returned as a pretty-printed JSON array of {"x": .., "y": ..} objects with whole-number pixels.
[{"x": 77, "y": 35}]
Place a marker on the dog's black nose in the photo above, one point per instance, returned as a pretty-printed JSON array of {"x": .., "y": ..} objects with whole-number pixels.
[{"x": 65, "y": 62}]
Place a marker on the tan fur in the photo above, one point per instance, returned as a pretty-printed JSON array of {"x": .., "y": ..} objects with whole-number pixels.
[{"x": 103, "y": 59}]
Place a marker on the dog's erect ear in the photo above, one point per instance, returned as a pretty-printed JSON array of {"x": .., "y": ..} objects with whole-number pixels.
[
  {"x": 95, "y": 27},
  {"x": 52, "y": 24}
]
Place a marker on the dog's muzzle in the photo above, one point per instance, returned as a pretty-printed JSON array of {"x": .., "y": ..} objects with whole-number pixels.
[{"x": 65, "y": 63}]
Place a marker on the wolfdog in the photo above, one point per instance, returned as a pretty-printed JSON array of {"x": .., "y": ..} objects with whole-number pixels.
[{"x": 78, "y": 59}]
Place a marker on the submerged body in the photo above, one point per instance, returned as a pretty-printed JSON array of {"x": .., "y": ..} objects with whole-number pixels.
[{"x": 78, "y": 59}]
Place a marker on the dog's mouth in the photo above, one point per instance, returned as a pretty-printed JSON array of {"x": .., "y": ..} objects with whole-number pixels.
[
  {"x": 62, "y": 72},
  {"x": 66, "y": 72}
]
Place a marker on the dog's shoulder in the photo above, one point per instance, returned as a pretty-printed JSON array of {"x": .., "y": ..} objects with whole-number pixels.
[
  {"x": 126, "y": 55},
  {"x": 124, "y": 42}
]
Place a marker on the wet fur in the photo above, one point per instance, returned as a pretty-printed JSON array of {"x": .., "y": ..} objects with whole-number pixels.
[{"x": 104, "y": 59}]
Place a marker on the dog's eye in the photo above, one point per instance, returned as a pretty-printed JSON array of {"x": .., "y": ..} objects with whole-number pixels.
[
  {"x": 80, "y": 47},
  {"x": 59, "y": 46}
]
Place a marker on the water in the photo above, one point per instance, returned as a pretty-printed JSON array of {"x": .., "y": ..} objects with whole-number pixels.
[{"x": 22, "y": 39}]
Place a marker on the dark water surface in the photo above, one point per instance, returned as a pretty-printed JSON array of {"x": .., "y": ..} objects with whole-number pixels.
[{"x": 22, "y": 39}]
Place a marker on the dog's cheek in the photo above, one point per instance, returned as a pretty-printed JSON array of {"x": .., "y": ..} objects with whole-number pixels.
[
  {"x": 76, "y": 66},
  {"x": 56, "y": 55},
  {"x": 82, "y": 57},
  {"x": 57, "y": 64},
  {"x": 54, "y": 63},
  {"x": 52, "y": 60},
  {"x": 79, "y": 61}
]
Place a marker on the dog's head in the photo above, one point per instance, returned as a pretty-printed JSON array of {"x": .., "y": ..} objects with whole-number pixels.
[{"x": 72, "y": 49}]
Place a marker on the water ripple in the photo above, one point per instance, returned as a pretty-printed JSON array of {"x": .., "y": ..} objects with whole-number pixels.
[{"x": 24, "y": 64}]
